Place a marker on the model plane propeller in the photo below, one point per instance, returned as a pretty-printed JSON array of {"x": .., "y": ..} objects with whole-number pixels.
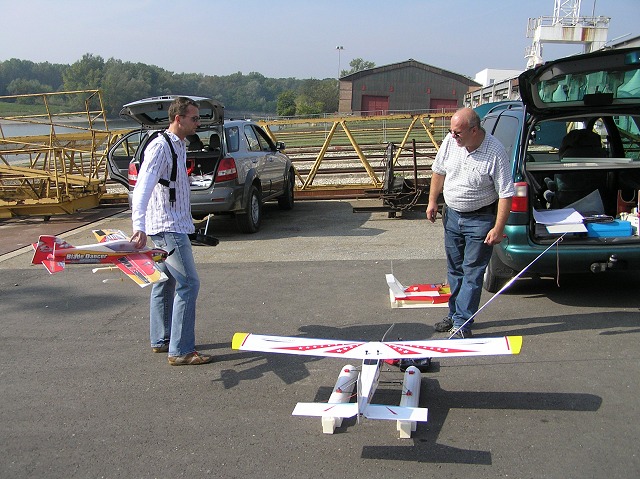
[
  {"x": 113, "y": 248},
  {"x": 373, "y": 355}
]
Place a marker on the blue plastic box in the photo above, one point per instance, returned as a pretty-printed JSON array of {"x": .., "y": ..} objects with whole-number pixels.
[{"x": 609, "y": 230}]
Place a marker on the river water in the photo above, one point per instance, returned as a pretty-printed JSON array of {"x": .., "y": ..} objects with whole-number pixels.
[{"x": 12, "y": 128}]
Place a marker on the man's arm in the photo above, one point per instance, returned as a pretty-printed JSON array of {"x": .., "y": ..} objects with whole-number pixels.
[
  {"x": 435, "y": 188},
  {"x": 494, "y": 236}
]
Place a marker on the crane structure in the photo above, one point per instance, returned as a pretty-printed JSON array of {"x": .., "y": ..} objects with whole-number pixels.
[
  {"x": 566, "y": 26},
  {"x": 61, "y": 170}
]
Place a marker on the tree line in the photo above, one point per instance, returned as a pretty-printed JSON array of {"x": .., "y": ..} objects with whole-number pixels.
[{"x": 124, "y": 82}]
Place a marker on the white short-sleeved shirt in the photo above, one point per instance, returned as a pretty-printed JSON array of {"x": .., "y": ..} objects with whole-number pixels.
[
  {"x": 473, "y": 180},
  {"x": 151, "y": 210}
]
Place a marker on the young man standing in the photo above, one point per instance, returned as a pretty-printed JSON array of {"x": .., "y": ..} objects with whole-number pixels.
[{"x": 164, "y": 214}]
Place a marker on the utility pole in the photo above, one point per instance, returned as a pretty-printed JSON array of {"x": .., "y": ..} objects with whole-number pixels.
[{"x": 339, "y": 48}]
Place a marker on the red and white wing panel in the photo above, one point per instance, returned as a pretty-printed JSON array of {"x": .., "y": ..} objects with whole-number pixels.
[{"x": 378, "y": 350}]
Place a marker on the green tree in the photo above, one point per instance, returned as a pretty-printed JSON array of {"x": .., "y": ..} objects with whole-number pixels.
[
  {"x": 85, "y": 74},
  {"x": 357, "y": 65},
  {"x": 45, "y": 73},
  {"x": 286, "y": 104},
  {"x": 22, "y": 86},
  {"x": 124, "y": 82}
]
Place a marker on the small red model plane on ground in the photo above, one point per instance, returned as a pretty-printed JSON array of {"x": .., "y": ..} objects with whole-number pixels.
[
  {"x": 113, "y": 248},
  {"x": 417, "y": 295}
]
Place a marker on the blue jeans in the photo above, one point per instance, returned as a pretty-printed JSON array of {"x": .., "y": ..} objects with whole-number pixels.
[
  {"x": 173, "y": 302},
  {"x": 467, "y": 258}
]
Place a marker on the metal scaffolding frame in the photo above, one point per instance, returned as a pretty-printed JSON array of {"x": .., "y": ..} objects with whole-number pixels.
[{"x": 60, "y": 171}]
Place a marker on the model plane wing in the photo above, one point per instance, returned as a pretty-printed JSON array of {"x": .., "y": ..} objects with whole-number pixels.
[
  {"x": 377, "y": 349},
  {"x": 140, "y": 268}
]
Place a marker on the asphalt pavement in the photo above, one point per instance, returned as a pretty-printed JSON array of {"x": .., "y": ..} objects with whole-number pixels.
[{"x": 83, "y": 396}]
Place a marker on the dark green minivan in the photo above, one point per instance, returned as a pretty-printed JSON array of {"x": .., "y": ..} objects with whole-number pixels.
[{"x": 574, "y": 141}]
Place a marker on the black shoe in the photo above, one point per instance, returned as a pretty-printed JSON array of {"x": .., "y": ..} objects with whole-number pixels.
[
  {"x": 459, "y": 333},
  {"x": 445, "y": 325},
  {"x": 422, "y": 364}
]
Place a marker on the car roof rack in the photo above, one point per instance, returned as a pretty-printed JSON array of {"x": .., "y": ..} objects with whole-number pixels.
[{"x": 506, "y": 105}]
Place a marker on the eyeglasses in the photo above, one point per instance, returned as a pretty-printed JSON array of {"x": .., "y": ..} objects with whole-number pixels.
[
  {"x": 456, "y": 134},
  {"x": 194, "y": 119}
]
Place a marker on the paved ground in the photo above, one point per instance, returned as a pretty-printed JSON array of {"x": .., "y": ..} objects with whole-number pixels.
[
  {"x": 83, "y": 396},
  {"x": 20, "y": 232}
]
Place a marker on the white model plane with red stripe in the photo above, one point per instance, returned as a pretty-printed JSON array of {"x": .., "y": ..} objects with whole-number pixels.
[
  {"x": 113, "y": 248},
  {"x": 373, "y": 355}
]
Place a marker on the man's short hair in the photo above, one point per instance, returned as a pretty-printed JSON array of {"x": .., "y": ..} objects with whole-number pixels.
[
  {"x": 179, "y": 107},
  {"x": 474, "y": 119}
]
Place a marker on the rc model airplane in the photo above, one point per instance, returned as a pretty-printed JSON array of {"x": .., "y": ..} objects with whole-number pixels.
[
  {"x": 373, "y": 355},
  {"x": 113, "y": 248},
  {"x": 417, "y": 295}
]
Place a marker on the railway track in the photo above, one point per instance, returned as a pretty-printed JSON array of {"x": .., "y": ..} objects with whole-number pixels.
[{"x": 341, "y": 174}]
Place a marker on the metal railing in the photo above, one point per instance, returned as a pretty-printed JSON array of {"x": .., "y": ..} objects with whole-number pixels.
[{"x": 348, "y": 152}]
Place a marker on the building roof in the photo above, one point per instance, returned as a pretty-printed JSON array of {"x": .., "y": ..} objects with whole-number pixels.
[{"x": 410, "y": 63}]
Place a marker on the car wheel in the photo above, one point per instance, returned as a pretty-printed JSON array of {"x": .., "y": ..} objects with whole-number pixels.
[
  {"x": 249, "y": 220},
  {"x": 496, "y": 274},
  {"x": 285, "y": 202}
]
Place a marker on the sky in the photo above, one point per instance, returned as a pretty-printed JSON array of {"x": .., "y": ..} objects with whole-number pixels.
[{"x": 291, "y": 38}]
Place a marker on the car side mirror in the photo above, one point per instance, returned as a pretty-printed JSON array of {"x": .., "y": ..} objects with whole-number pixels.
[{"x": 280, "y": 145}]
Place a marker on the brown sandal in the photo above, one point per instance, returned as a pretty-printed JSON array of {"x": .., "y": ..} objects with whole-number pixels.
[{"x": 193, "y": 358}]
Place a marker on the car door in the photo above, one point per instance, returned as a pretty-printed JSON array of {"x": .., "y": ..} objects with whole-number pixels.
[
  {"x": 261, "y": 151},
  {"x": 121, "y": 154},
  {"x": 275, "y": 162}
]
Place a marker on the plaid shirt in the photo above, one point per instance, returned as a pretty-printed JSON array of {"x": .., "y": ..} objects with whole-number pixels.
[
  {"x": 151, "y": 210},
  {"x": 476, "y": 179}
]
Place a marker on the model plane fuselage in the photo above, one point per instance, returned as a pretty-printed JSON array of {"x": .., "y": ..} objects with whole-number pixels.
[{"x": 114, "y": 249}]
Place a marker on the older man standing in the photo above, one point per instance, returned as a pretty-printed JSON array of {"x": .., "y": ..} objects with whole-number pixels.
[{"x": 473, "y": 172}]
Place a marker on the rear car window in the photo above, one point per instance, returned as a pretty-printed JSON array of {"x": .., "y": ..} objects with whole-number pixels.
[
  {"x": 621, "y": 85},
  {"x": 507, "y": 132}
]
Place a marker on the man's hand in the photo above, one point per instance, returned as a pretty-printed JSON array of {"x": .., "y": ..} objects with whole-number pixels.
[
  {"x": 139, "y": 239},
  {"x": 494, "y": 237},
  {"x": 432, "y": 211}
]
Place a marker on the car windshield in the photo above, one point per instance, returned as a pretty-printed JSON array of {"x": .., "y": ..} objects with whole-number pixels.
[{"x": 606, "y": 85}]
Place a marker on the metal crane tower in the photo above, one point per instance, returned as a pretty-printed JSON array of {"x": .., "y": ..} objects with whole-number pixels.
[{"x": 566, "y": 26}]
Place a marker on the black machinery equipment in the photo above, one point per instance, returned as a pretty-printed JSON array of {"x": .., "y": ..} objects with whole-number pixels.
[{"x": 398, "y": 193}]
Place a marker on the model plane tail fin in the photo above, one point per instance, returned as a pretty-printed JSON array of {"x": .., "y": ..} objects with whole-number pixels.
[
  {"x": 396, "y": 413},
  {"x": 45, "y": 250},
  {"x": 323, "y": 409},
  {"x": 372, "y": 411},
  {"x": 109, "y": 235}
]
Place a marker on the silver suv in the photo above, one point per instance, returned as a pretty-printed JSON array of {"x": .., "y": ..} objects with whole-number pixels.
[{"x": 234, "y": 166}]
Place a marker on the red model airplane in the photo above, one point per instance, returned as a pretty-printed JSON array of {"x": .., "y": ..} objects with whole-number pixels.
[
  {"x": 114, "y": 248},
  {"x": 417, "y": 295}
]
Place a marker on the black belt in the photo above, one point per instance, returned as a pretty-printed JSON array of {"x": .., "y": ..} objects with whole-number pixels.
[{"x": 485, "y": 209}]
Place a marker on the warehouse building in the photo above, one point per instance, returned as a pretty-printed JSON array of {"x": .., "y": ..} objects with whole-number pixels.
[{"x": 405, "y": 87}]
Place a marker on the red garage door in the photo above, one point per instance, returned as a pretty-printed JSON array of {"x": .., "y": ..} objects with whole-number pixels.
[
  {"x": 374, "y": 105},
  {"x": 446, "y": 105}
]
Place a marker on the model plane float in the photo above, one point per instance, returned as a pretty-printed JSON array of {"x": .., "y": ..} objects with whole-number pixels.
[
  {"x": 373, "y": 355},
  {"x": 113, "y": 248}
]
